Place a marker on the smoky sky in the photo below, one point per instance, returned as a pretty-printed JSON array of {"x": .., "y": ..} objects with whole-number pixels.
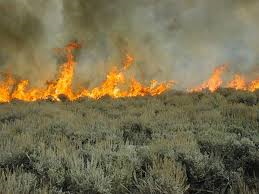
[{"x": 170, "y": 39}]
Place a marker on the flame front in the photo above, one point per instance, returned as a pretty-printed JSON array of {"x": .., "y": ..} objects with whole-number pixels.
[
  {"x": 253, "y": 85},
  {"x": 115, "y": 80},
  {"x": 239, "y": 83},
  {"x": 214, "y": 82},
  {"x": 116, "y": 85}
]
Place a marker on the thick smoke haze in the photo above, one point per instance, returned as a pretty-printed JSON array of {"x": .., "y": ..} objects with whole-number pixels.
[{"x": 170, "y": 39}]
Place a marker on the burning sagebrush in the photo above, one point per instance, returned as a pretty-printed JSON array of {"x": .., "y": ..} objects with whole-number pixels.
[
  {"x": 115, "y": 80},
  {"x": 215, "y": 82}
]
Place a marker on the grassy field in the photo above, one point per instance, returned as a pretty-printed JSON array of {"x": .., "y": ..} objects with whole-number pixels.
[{"x": 173, "y": 143}]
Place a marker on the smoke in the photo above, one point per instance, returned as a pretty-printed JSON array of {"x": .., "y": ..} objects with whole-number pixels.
[
  {"x": 25, "y": 50},
  {"x": 170, "y": 39}
]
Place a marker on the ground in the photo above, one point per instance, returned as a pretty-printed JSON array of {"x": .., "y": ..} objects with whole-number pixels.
[{"x": 173, "y": 143}]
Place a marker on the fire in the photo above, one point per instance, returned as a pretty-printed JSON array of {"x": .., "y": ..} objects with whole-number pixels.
[
  {"x": 116, "y": 79},
  {"x": 128, "y": 61},
  {"x": 239, "y": 83},
  {"x": 5, "y": 87},
  {"x": 115, "y": 85},
  {"x": 253, "y": 85},
  {"x": 214, "y": 82}
]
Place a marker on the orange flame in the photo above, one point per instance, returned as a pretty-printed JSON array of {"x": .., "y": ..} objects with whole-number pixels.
[
  {"x": 128, "y": 61},
  {"x": 214, "y": 82},
  {"x": 5, "y": 88},
  {"x": 12, "y": 89},
  {"x": 116, "y": 78},
  {"x": 253, "y": 85},
  {"x": 239, "y": 83}
]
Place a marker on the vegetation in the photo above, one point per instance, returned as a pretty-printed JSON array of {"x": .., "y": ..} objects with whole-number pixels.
[{"x": 173, "y": 143}]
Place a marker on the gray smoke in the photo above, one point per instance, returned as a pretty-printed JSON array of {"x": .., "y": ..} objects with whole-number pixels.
[{"x": 170, "y": 39}]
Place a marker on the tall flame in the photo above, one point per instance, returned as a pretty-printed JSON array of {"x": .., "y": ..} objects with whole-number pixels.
[
  {"x": 5, "y": 87},
  {"x": 112, "y": 86},
  {"x": 214, "y": 82}
]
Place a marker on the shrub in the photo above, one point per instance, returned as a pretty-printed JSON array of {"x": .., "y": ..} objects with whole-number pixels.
[
  {"x": 173, "y": 143},
  {"x": 248, "y": 98},
  {"x": 17, "y": 182},
  {"x": 165, "y": 176}
]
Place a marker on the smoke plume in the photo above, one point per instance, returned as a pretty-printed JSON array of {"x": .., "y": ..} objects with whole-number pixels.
[{"x": 170, "y": 39}]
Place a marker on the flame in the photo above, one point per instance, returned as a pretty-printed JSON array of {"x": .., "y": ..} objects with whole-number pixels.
[
  {"x": 214, "y": 82},
  {"x": 239, "y": 83},
  {"x": 62, "y": 85},
  {"x": 5, "y": 87},
  {"x": 253, "y": 85},
  {"x": 128, "y": 61},
  {"x": 114, "y": 85},
  {"x": 116, "y": 78}
]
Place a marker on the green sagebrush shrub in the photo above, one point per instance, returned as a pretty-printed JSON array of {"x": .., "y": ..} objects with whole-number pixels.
[{"x": 174, "y": 143}]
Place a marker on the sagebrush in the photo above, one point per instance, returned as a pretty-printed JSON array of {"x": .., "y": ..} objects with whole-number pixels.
[{"x": 174, "y": 143}]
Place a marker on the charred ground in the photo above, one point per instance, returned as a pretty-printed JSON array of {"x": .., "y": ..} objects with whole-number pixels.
[{"x": 173, "y": 143}]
